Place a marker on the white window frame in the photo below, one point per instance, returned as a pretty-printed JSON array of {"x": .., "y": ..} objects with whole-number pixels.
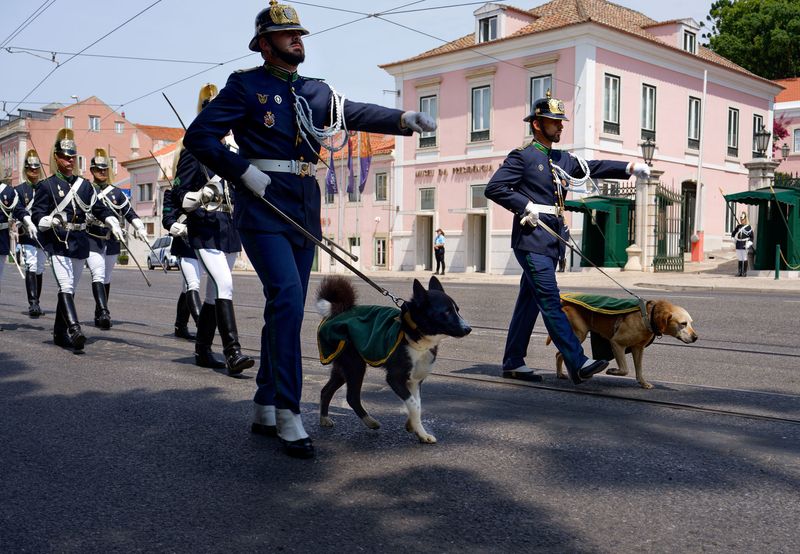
[
  {"x": 434, "y": 114},
  {"x": 649, "y": 106},
  {"x": 472, "y": 190},
  {"x": 693, "y": 120},
  {"x": 81, "y": 163},
  {"x": 796, "y": 141},
  {"x": 379, "y": 253},
  {"x": 612, "y": 85},
  {"x": 733, "y": 132},
  {"x": 420, "y": 192},
  {"x": 94, "y": 123},
  {"x": 488, "y": 28},
  {"x": 484, "y": 122},
  {"x": 69, "y": 122},
  {"x": 381, "y": 176},
  {"x": 690, "y": 41},
  {"x": 145, "y": 188},
  {"x": 119, "y": 127},
  {"x": 758, "y": 122}
]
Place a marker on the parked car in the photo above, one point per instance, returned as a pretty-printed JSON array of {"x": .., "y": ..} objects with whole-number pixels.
[{"x": 160, "y": 254}]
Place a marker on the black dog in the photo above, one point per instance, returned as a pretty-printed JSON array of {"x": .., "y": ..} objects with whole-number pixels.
[{"x": 407, "y": 344}]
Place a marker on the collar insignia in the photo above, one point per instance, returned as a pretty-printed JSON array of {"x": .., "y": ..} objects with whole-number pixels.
[{"x": 262, "y": 98}]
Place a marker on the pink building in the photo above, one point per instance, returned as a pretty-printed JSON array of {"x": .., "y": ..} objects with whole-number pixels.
[
  {"x": 787, "y": 109},
  {"x": 623, "y": 77},
  {"x": 95, "y": 125}
]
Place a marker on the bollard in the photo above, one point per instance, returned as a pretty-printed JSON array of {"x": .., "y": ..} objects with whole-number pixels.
[{"x": 777, "y": 261}]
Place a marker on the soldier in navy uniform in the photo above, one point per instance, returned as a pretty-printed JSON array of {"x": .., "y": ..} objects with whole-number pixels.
[
  {"x": 173, "y": 219},
  {"x": 11, "y": 208},
  {"x": 60, "y": 209},
  {"x": 745, "y": 238},
  {"x": 32, "y": 253},
  {"x": 104, "y": 248},
  {"x": 206, "y": 199},
  {"x": 277, "y": 118},
  {"x": 530, "y": 185}
]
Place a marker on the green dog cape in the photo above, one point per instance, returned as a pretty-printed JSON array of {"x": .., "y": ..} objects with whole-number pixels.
[
  {"x": 374, "y": 331},
  {"x": 602, "y": 304}
]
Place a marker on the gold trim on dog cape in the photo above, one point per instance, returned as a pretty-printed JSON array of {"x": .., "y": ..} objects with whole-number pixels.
[
  {"x": 602, "y": 304},
  {"x": 374, "y": 331}
]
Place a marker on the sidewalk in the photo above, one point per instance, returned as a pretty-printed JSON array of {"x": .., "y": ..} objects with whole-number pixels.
[{"x": 718, "y": 273}]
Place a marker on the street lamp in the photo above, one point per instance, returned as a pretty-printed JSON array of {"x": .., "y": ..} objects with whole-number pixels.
[
  {"x": 648, "y": 150},
  {"x": 762, "y": 140},
  {"x": 784, "y": 151}
]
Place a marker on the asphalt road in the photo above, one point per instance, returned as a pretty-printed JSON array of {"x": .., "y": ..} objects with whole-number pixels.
[{"x": 130, "y": 447}]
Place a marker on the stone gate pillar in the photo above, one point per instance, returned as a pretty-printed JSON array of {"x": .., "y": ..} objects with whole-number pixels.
[
  {"x": 761, "y": 173},
  {"x": 646, "y": 219}
]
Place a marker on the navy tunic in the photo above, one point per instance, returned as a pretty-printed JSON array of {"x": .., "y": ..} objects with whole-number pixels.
[
  {"x": 100, "y": 238},
  {"x": 527, "y": 176},
  {"x": 26, "y": 191},
  {"x": 258, "y": 106},
  {"x": 170, "y": 214},
  {"x": 7, "y": 198},
  {"x": 59, "y": 241},
  {"x": 206, "y": 229}
]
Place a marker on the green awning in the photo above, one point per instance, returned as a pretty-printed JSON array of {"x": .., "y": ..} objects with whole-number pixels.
[
  {"x": 598, "y": 203},
  {"x": 755, "y": 197}
]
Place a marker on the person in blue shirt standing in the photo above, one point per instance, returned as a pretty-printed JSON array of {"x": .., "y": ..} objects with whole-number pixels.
[
  {"x": 61, "y": 206},
  {"x": 438, "y": 251},
  {"x": 279, "y": 121},
  {"x": 532, "y": 183},
  {"x": 32, "y": 254}
]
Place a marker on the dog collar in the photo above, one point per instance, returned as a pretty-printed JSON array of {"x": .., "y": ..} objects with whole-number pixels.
[{"x": 409, "y": 321}]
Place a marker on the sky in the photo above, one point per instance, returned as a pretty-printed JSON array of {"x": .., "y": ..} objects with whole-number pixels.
[{"x": 197, "y": 38}]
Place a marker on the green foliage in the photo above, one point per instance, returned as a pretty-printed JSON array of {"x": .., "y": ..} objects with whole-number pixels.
[{"x": 763, "y": 36}]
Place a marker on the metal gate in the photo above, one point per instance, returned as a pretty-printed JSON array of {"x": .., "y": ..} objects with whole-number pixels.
[{"x": 668, "y": 230}]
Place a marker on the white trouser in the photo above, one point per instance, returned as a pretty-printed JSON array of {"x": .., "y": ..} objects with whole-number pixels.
[
  {"x": 2, "y": 265},
  {"x": 67, "y": 272},
  {"x": 741, "y": 255},
  {"x": 101, "y": 266},
  {"x": 218, "y": 265},
  {"x": 34, "y": 258},
  {"x": 192, "y": 272}
]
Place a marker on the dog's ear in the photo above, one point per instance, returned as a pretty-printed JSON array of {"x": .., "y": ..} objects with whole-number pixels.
[
  {"x": 434, "y": 284},
  {"x": 420, "y": 294},
  {"x": 661, "y": 316}
]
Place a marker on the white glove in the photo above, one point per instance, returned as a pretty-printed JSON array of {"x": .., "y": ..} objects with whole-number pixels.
[
  {"x": 138, "y": 229},
  {"x": 639, "y": 170},
  {"x": 113, "y": 224},
  {"x": 417, "y": 121},
  {"x": 178, "y": 229},
  {"x": 256, "y": 180},
  {"x": 530, "y": 216},
  {"x": 30, "y": 228},
  {"x": 49, "y": 222}
]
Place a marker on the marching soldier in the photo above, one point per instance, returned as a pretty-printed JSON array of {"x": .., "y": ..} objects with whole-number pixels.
[
  {"x": 279, "y": 120},
  {"x": 60, "y": 208},
  {"x": 32, "y": 253},
  {"x": 104, "y": 248},
  {"x": 11, "y": 208},
  {"x": 174, "y": 220},
  {"x": 531, "y": 184},
  {"x": 210, "y": 231}
]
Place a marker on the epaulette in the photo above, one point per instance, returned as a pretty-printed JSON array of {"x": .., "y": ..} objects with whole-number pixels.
[
  {"x": 312, "y": 78},
  {"x": 524, "y": 146},
  {"x": 249, "y": 69}
]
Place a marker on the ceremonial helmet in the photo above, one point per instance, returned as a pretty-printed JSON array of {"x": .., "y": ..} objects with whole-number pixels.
[
  {"x": 32, "y": 161},
  {"x": 551, "y": 108},
  {"x": 101, "y": 160},
  {"x": 64, "y": 144},
  {"x": 207, "y": 94},
  {"x": 278, "y": 17}
]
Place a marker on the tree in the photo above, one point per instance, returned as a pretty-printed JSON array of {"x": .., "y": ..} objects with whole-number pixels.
[{"x": 763, "y": 36}]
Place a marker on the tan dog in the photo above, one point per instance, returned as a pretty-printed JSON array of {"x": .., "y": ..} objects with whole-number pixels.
[{"x": 629, "y": 331}]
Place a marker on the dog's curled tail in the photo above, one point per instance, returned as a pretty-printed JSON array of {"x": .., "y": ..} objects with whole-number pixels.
[
  {"x": 335, "y": 295},
  {"x": 548, "y": 340}
]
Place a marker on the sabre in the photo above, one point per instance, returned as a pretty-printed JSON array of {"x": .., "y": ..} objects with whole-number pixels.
[
  {"x": 16, "y": 263},
  {"x": 291, "y": 221},
  {"x": 146, "y": 280}
]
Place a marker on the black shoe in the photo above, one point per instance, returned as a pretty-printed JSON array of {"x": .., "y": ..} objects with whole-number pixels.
[
  {"x": 182, "y": 332},
  {"x": 529, "y": 376},
  {"x": 596, "y": 367},
  {"x": 238, "y": 362},
  {"x": 34, "y": 310},
  {"x": 301, "y": 448},
  {"x": 264, "y": 430},
  {"x": 204, "y": 357}
]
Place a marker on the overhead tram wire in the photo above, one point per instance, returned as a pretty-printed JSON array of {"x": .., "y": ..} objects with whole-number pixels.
[
  {"x": 23, "y": 50},
  {"x": 83, "y": 50},
  {"x": 30, "y": 19}
]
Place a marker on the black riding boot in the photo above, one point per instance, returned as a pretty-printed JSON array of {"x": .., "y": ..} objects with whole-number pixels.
[
  {"x": 182, "y": 319},
  {"x": 33, "y": 298},
  {"x": 107, "y": 286},
  {"x": 739, "y": 273},
  {"x": 102, "y": 317},
  {"x": 744, "y": 268},
  {"x": 70, "y": 317},
  {"x": 195, "y": 304},
  {"x": 226, "y": 321},
  {"x": 206, "y": 327},
  {"x": 59, "y": 327},
  {"x": 39, "y": 277}
]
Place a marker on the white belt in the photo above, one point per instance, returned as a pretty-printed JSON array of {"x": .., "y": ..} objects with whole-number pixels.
[
  {"x": 3, "y": 226},
  {"x": 294, "y": 167},
  {"x": 75, "y": 226},
  {"x": 544, "y": 209}
]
